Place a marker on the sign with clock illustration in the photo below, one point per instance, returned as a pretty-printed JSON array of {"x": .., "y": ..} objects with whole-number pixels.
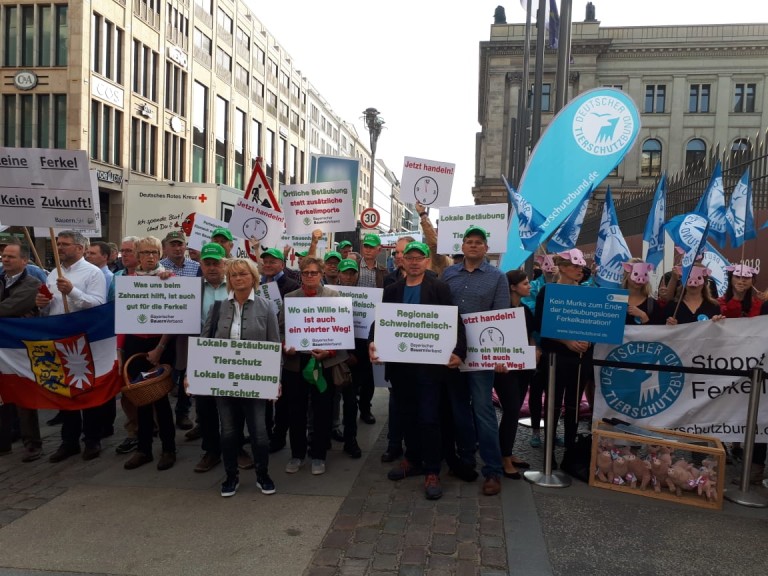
[
  {"x": 253, "y": 220},
  {"x": 497, "y": 337},
  {"x": 427, "y": 182}
]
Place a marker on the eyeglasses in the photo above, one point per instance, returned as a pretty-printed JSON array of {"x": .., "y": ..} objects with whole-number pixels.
[
  {"x": 149, "y": 253},
  {"x": 415, "y": 258},
  {"x": 310, "y": 273},
  {"x": 62, "y": 245}
]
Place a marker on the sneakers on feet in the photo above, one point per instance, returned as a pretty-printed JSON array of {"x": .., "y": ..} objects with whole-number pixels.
[
  {"x": 535, "y": 442},
  {"x": 207, "y": 462},
  {"x": 127, "y": 446},
  {"x": 432, "y": 488},
  {"x": 293, "y": 465},
  {"x": 318, "y": 466},
  {"x": 403, "y": 470},
  {"x": 353, "y": 449},
  {"x": 230, "y": 485},
  {"x": 265, "y": 484},
  {"x": 559, "y": 441},
  {"x": 491, "y": 486}
]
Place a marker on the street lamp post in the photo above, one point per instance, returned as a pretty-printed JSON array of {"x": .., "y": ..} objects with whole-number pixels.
[{"x": 373, "y": 122}]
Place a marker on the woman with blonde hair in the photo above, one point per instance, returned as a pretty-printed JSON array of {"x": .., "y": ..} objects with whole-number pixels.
[{"x": 642, "y": 307}]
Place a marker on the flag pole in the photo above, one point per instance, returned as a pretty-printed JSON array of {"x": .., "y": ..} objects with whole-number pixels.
[
  {"x": 58, "y": 267},
  {"x": 32, "y": 247}
]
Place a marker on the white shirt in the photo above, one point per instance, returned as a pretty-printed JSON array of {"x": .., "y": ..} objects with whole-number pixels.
[
  {"x": 234, "y": 332},
  {"x": 89, "y": 288}
]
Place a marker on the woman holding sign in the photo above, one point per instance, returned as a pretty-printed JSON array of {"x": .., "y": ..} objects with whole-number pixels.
[
  {"x": 573, "y": 356},
  {"x": 243, "y": 316},
  {"x": 308, "y": 375}
]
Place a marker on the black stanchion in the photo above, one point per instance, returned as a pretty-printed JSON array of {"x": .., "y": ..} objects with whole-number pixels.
[
  {"x": 743, "y": 496},
  {"x": 548, "y": 478}
]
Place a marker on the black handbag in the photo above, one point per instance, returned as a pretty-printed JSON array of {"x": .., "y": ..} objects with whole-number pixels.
[{"x": 341, "y": 375}]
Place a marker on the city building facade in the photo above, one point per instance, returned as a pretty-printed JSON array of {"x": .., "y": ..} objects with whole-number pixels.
[{"x": 698, "y": 89}]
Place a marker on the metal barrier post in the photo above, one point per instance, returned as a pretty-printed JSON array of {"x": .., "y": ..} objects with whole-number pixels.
[
  {"x": 548, "y": 478},
  {"x": 743, "y": 496}
]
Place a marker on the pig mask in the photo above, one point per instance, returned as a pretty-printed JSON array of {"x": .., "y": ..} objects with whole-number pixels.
[
  {"x": 547, "y": 263},
  {"x": 697, "y": 277},
  {"x": 638, "y": 271},
  {"x": 742, "y": 270},
  {"x": 575, "y": 255}
]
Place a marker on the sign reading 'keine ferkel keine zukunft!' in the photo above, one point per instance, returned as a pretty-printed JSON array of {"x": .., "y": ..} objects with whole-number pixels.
[
  {"x": 149, "y": 305},
  {"x": 325, "y": 206},
  {"x": 415, "y": 333},
  {"x": 49, "y": 188},
  {"x": 581, "y": 146},
  {"x": 234, "y": 368},
  {"x": 319, "y": 323}
]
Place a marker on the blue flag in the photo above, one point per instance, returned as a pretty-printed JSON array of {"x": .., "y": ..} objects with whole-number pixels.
[
  {"x": 740, "y": 215},
  {"x": 553, "y": 25},
  {"x": 567, "y": 235},
  {"x": 712, "y": 206},
  {"x": 716, "y": 263},
  {"x": 654, "y": 226},
  {"x": 689, "y": 232},
  {"x": 528, "y": 218},
  {"x": 611, "y": 251}
]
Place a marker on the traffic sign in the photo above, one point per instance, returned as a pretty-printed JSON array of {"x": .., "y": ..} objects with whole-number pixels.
[{"x": 370, "y": 218}]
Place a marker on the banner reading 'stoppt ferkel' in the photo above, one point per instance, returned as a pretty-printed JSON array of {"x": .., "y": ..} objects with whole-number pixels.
[
  {"x": 234, "y": 368},
  {"x": 49, "y": 188},
  {"x": 693, "y": 403},
  {"x": 581, "y": 146},
  {"x": 415, "y": 333},
  {"x": 326, "y": 206}
]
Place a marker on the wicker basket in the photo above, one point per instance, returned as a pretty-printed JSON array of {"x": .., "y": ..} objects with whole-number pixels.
[{"x": 149, "y": 390}]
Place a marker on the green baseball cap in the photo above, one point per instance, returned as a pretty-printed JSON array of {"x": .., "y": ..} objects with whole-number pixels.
[
  {"x": 477, "y": 230},
  {"x": 420, "y": 246},
  {"x": 213, "y": 251},
  {"x": 332, "y": 254},
  {"x": 372, "y": 240},
  {"x": 348, "y": 264},
  {"x": 344, "y": 244},
  {"x": 274, "y": 253},
  {"x": 221, "y": 231},
  {"x": 302, "y": 254}
]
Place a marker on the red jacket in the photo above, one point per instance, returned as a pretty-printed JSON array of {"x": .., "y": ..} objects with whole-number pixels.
[{"x": 732, "y": 308}]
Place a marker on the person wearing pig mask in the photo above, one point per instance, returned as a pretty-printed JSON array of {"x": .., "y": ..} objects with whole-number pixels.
[
  {"x": 642, "y": 308},
  {"x": 740, "y": 299},
  {"x": 697, "y": 303}
]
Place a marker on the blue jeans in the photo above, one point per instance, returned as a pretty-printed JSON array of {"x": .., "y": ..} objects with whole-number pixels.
[
  {"x": 232, "y": 413},
  {"x": 480, "y": 386}
]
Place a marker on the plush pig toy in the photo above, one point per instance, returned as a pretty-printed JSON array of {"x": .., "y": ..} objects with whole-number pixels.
[
  {"x": 639, "y": 470},
  {"x": 638, "y": 271},
  {"x": 619, "y": 471},
  {"x": 604, "y": 465},
  {"x": 660, "y": 471}
]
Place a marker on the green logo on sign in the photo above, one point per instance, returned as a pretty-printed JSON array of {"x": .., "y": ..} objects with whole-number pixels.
[
  {"x": 142, "y": 318},
  {"x": 304, "y": 343},
  {"x": 402, "y": 346},
  {"x": 456, "y": 248},
  {"x": 307, "y": 221}
]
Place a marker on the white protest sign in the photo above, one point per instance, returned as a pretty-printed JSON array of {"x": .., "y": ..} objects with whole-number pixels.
[
  {"x": 149, "y": 305},
  {"x": 427, "y": 182},
  {"x": 48, "y": 188},
  {"x": 391, "y": 238},
  {"x": 94, "y": 232},
  {"x": 202, "y": 228},
  {"x": 156, "y": 208},
  {"x": 455, "y": 220},
  {"x": 497, "y": 337},
  {"x": 252, "y": 220},
  {"x": 326, "y": 206},
  {"x": 415, "y": 333},
  {"x": 271, "y": 292},
  {"x": 364, "y": 302},
  {"x": 319, "y": 323},
  {"x": 300, "y": 243},
  {"x": 234, "y": 368}
]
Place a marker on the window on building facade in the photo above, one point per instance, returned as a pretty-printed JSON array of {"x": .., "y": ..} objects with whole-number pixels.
[
  {"x": 695, "y": 153},
  {"x": 294, "y": 158},
  {"x": 145, "y": 69},
  {"x": 285, "y": 80},
  {"x": 699, "y": 98},
  {"x": 272, "y": 68},
  {"x": 314, "y": 113},
  {"x": 223, "y": 60},
  {"x": 177, "y": 26},
  {"x": 143, "y": 147},
  {"x": 650, "y": 163},
  {"x": 260, "y": 56},
  {"x": 258, "y": 88},
  {"x": 255, "y": 142},
  {"x": 243, "y": 39},
  {"x": 221, "y": 122},
  {"x": 241, "y": 75},
  {"x": 269, "y": 155},
  {"x": 282, "y": 153},
  {"x": 206, "y": 5},
  {"x": 744, "y": 97},
  {"x": 34, "y": 120},
  {"x": 741, "y": 150},
  {"x": 106, "y": 133},
  {"x": 224, "y": 21},
  {"x": 107, "y": 48},
  {"x": 199, "y": 131},
  {"x": 284, "y": 109},
  {"x": 174, "y": 155},
  {"x": 175, "y": 89},
  {"x": 35, "y": 35},
  {"x": 203, "y": 43},
  {"x": 655, "y": 98},
  {"x": 239, "y": 133}
]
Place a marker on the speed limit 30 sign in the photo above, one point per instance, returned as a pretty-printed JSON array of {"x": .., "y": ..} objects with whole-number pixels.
[{"x": 370, "y": 218}]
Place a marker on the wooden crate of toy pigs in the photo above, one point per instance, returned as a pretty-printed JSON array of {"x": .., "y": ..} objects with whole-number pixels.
[{"x": 672, "y": 466}]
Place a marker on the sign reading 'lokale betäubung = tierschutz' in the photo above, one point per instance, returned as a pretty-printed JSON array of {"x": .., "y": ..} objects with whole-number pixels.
[
  {"x": 234, "y": 368},
  {"x": 415, "y": 333}
]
